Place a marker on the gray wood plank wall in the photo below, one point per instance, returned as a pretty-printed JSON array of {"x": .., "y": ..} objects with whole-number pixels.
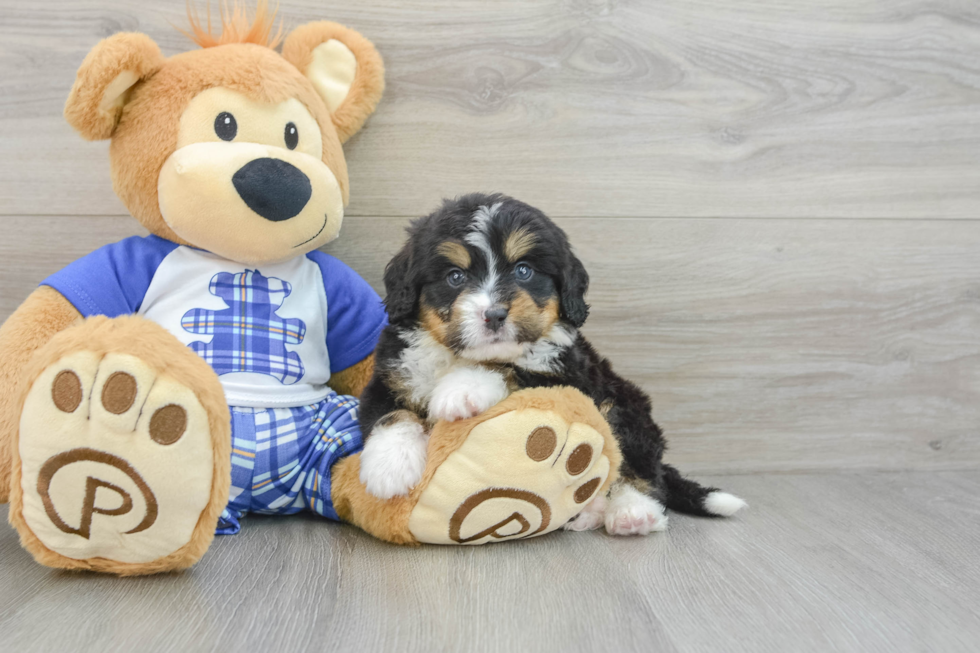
[{"x": 777, "y": 201}]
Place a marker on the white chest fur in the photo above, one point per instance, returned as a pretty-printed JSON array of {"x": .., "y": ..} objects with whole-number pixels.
[
  {"x": 422, "y": 364},
  {"x": 451, "y": 387}
]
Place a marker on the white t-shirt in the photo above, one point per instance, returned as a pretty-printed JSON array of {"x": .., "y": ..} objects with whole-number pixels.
[{"x": 264, "y": 330}]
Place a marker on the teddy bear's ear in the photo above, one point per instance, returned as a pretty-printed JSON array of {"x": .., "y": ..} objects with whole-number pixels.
[
  {"x": 104, "y": 79},
  {"x": 344, "y": 67}
]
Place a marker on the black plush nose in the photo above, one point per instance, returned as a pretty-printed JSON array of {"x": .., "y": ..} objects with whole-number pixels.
[
  {"x": 495, "y": 317},
  {"x": 274, "y": 189}
]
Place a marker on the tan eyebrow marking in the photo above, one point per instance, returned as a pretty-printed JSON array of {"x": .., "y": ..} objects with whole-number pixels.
[
  {"x": 518, "y": 244},
  {"x": 455, "y": 252}
]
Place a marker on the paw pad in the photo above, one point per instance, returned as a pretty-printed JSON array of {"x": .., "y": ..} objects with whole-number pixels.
[
  {"x": 66, "y": 391},
  {"x": 580, "y": 459},
  {"x": 541, "y": 443},
  {"x": 585, "y": 492},
  {"x": 168, "y": 424},
  {"x": 119, "y": 393}
]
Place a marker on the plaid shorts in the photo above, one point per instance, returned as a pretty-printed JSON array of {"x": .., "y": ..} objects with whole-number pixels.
[{"x": 281, "y": 458}]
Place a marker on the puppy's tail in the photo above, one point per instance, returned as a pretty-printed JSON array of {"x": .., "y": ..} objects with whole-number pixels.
[{"x": 685, "y": 495}]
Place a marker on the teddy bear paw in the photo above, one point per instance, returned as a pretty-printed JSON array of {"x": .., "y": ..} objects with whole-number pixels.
[
  {"x": 116, "y": 459},
  {"x": 520, "y": 474}
]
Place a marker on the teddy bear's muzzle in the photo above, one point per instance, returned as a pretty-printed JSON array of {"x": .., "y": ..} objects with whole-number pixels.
[{"x": 249, "y": 202}]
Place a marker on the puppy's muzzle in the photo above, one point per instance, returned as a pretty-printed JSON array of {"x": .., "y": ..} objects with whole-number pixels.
[{"x": 273, "y": 188}]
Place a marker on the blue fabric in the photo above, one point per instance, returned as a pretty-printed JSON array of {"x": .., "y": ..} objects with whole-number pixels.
[
  {"x": 248, "y": 336},
  {"x": 113, "y": 279},
  {"x": 281, "y": 458},
  {"x": 355, "y": 314}
]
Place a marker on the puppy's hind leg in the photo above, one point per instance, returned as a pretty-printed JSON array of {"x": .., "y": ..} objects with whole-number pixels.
[{"x": 632, "y": 511}]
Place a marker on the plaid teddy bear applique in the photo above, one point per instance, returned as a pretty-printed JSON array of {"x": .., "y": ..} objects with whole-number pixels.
[{"x": 248, "y": 335}]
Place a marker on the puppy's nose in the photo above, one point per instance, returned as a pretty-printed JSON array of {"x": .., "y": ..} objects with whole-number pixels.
[
  {"x": 274, "y": 189},
  {"x": 495, "y": 317}
]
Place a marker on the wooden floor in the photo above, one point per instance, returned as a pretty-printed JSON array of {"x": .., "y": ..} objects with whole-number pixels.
[
  {"x": 779, "y": 206},
  {"x": 821, "y": 562}
]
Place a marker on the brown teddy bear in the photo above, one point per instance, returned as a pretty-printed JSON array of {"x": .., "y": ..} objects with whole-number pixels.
[{"x": 157, "y": 390}]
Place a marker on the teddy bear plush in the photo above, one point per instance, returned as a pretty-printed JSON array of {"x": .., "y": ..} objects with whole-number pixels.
[{"x": 159, "y": 389}]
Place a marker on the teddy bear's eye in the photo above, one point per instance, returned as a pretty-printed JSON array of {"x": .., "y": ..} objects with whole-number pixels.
[
  {"x": 292, "y": 136},
  {"x": 225, "y": 126}
]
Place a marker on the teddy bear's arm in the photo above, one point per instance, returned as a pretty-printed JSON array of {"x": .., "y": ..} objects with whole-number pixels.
[
  {"x": 353, "y": 380},
  {"x": 44, "y": 313}
]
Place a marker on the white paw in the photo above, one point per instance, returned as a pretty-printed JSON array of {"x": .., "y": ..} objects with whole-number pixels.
[
  {"x": 393, "y": 459},
  {"x": 630, "y": 512},
  {"x": 723, "y": 504},
  {"x": 591, "y": 517},
  {"x": 466, "y": 392}
]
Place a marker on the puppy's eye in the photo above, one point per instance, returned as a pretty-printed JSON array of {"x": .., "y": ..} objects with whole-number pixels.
[
  {"x": 292, "y": 136},
  {"x": 456, "y": 278},
  {"x": 225, "y": 126},
  {"x": 523, "y": 271}
]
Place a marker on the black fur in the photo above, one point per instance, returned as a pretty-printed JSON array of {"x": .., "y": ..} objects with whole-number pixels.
[
  {"x": 417, "y": 276},
  {"x": 401, "y": 297},
  {"x": 628, "y": 411},
  {"x": 574, "y": 285}
]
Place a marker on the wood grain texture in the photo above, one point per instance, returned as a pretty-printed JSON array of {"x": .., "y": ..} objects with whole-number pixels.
[
  {"x": 879, "y": 562},
  {"x": 778, "y": 339},
  {"x": 757, "y": 108},
  {"x": 767, "y": 345}
]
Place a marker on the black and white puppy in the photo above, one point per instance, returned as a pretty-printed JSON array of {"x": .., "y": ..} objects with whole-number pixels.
[{"x": 486, "y": 298}]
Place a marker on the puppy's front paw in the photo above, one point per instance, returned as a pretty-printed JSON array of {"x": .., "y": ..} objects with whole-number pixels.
[
  {"x": 393, "y": 458},
  {"x": 465, "y": 393}
]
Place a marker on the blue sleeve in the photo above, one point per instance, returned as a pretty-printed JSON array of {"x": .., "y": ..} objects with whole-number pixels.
[
  {"x": 112, "y": 280},
  {"x": 355, "y": 315}
]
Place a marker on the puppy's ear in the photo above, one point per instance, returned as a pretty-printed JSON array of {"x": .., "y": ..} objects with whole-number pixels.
[
  {"x": 401, "y": 293},
  {"x": 574, "y": 284},
  {"x": 104, "y": 80},
  {"x": 344, "y": 67}
]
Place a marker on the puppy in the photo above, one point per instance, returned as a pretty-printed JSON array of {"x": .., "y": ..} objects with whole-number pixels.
[{"x": 486, "y": 298}]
